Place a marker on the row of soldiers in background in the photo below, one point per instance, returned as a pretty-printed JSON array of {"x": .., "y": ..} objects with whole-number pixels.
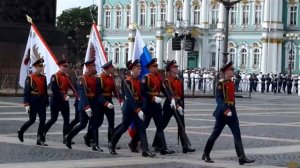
[
  {"x": 199, "y": 80},
  {"x": 275, "y": 83},
  {"x": 140, "y": 102}
]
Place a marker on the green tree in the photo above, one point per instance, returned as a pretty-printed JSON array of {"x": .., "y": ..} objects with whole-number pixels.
[{"x": 76, "y": 23}]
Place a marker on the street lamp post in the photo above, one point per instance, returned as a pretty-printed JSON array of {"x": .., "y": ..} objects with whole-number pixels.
[
  {"x": 228, "y": 4},
  {"x": 291, "y": 37},
  {"x": 219, "y": 37}
]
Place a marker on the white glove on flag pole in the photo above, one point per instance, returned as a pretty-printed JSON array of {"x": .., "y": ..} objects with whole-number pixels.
[
  {"x": 95, "y": 50},
  {"x": 36, "y": 45}
]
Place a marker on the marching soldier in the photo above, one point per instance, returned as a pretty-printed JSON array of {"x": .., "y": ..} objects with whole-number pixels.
[
  {"x": 274, "y": 83},
  {"x": 268, "y": 81},
  {"x": 284, "y": 82},
  {"x": 279, "y": 82},
  {"x": 35, "y": 101},
  {"x": 90, "y": 99},
  {"x": 174, "y": 106},
  {"x": 289, "y": 83},
  {"x": 132, "y": 110},
  {"x": 225, "y": 114},
  {"x": 59, "y": 101},
  {"x": 296, "y": 84},
  {"x": 263, "y": 84},
  {"x": 251, "y": 79},
  {"x": 151, "y": 88}
]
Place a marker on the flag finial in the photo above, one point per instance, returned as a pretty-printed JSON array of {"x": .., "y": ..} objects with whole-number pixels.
[{"x": 29, "y": 19}]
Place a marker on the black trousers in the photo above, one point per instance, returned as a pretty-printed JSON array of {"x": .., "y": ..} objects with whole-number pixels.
[
  {"x": 38, "y": 108},
  {"x": 168, "y": 112},
  {"x": 95, "y": 122},
  {"x": 128, "y": 117},
  {"x": 64, "y": 108},
  {"x": 153, "y": 110},
  {"x": 233, "y": 124}
]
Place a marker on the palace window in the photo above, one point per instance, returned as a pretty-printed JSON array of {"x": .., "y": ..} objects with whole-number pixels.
[
  {"x": 244, "y": 57},
  {"x": 118, "y": 18},
  {"x": 231, "y": 54},
  {"x": 142, "y": 16},
  {"x": 163, "y": 12},
  {"x": 128, "y": 15},
  {"x": 245, "y": 15},
  {"x": 293, "y": 15},
  {"x": 179, "y": 13},
  {"x": 256, "y": 57},
  {"x": 215, "y": 15},
  {"x": 232, "y": 15},
  {"x": 152, "y": 15},
  {"x": 117, "y": 55},
  {"x": 107, "y": 19},
  {"x": 257, "y": 14},
  {"x": 197, "y": 15}
]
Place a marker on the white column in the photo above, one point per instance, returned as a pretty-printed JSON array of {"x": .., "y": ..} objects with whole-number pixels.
[
  {"x": 133, "y": 11},
  {"x": 186, "y": 10},
  {"x": 266, "y": 14},
  {"x": 221, "y": 16},
  {"x": 177, "y": 58},
  {"x": 192, "y": 16},
  {"x": 100, "y": 14},
  {"x": 280, "y": 6},
  {"x": 159, "y": 48},
  {"x": 131, "y": 38},
  {"x": 204, "y": 14},
  {"x": 279, "y": 52},
  {"x": 264, "y": 57},
  {"x": 273, "y": 54},
  {"x": 170, "y": 12}
]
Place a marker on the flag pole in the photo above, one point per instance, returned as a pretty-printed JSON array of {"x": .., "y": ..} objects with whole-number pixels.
[{"x": 29, "y": 19}]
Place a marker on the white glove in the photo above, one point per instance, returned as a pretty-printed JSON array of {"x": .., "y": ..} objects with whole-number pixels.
[
  {"x": 173, "y": 103},
  {"x": 121, "y": 104},
  {"x": 27, "y": 109},
  {"x": 67, "y": 98},
  {"x": 229, "y": 114},
  {"x": 110, "y": 106},
  {"x": 180, "y": 110},
  {"x": 88, "y": 112},
  {"x": 157, "y": 99},
  {"x": 141, "y": 115}
]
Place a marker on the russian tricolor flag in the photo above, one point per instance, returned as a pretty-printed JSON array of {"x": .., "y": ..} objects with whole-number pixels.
[{"x": 140, "y": 51}]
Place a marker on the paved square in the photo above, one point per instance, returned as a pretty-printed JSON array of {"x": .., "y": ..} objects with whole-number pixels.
[{"x": 270, "y": 126}]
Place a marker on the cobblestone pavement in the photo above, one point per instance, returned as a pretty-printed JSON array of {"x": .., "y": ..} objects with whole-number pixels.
[{"x": 270, "y": 126}]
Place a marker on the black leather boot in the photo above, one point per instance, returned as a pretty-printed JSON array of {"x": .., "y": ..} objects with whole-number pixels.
[
  {"x": 112, "y": 150},
  {"x": 188, "y": 149},
  {"x": 244, "y": 160},
  {"x": 148, "y": 154},
  {"x": 20, "y": 136},
  {"x": 206, "y": 158},
  {"x": 166, "y": 152}
]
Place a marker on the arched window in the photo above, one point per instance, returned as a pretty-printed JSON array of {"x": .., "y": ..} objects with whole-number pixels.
[
  {"x": 292, "y": 58},
  {"x": 117, "y": 55},
  {"x": 231, "y": 54},
  {"x": 106, "y": 52},
  {"x": 256, "y": 57},
  {"x": 197, "y": 15},
  {"x": 152, "y": 52},
  {"x": 245, "y": 15},
  {"x": 243, "y": 56},
  {"x": 292, "y": 15},
  {"x": 179, "y": 10},
  {"x": 128, "y": 15},
  {"x": 142, "y": 15},
  {"x": 107, "y": 18},
  {"x": 257, "y": 14}
]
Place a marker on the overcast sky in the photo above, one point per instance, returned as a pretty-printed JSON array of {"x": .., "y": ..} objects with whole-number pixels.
[{"x": 66, "y": 4}]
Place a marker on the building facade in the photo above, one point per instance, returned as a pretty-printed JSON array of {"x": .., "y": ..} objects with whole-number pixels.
[{"x": 257, "y": 32}]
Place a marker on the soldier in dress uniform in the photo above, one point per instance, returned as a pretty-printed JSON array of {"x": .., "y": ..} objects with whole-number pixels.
[
  {"x": 35, "y": 101},
  {"x": 132, "y": 110},
  {"x": 279, "y": 83},
  {"x": 296, "y": 84},
  {"x": 274, "y": 83},
  {"x": 225, "y": 114},
  {"x": 263, "y": 83},
  {"x": 90, "y": 99},
  {"x": 59, "y": 101},
  {"x": 174, "y": 105},
  {"x": 151, "y": 88},
  {"x": 284, "y": 78},
  {"x": 289, "y": 83},
  {"x": 268, "y": 81},
  {"x": 251, "y": 80}
]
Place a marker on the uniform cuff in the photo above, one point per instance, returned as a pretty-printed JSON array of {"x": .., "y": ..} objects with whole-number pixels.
[
  {"x": 26, "y": 104},
  {"x": 105, "y": 104},
  {"x": 137, "y": 110},
  {"x": 86, "y": 107},
  {"x": 226, "y": 112}
]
